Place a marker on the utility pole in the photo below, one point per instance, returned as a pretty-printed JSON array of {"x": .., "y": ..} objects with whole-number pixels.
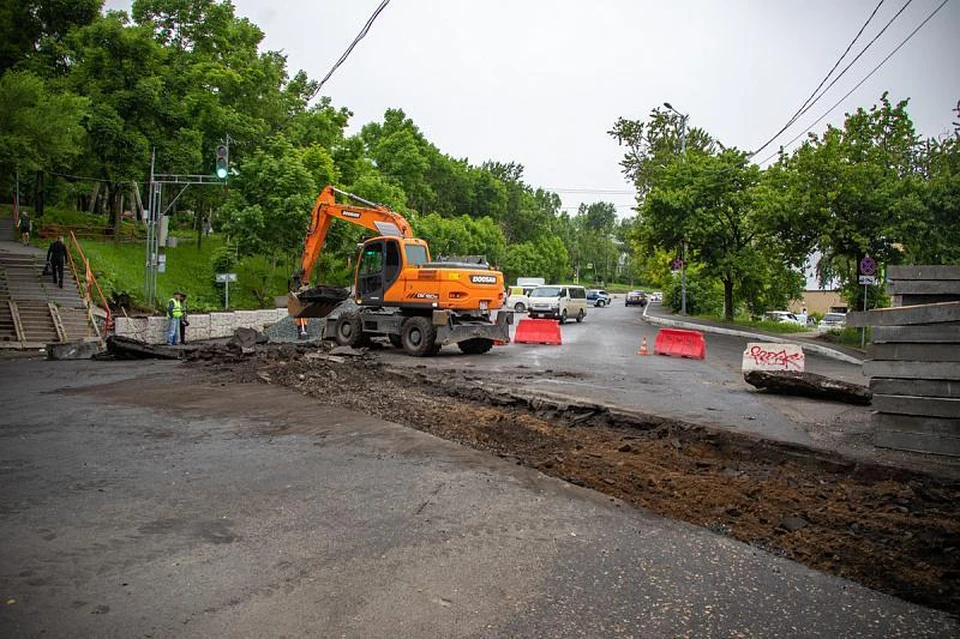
[
  {"x": 683, "y": 245},
  {"x": 155, "y": 261}
]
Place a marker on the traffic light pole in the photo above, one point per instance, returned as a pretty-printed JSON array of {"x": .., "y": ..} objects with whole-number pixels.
[{"x": 155, "y": 214}]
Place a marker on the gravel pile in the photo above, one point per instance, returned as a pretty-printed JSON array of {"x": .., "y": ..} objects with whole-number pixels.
[{"x": 286, "y": 329}]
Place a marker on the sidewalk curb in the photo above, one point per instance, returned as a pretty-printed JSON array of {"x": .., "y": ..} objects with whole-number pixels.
[{"x": 826, "y": 351}]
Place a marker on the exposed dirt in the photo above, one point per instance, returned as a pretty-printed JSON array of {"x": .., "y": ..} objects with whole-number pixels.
[{"x": 890, "y": 529}]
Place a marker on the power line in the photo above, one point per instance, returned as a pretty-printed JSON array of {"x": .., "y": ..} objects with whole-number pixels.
[
  {"x": 857, "y": 86},
  {"x": 590, "y": 191},
  {"x": 346, "y": 53},
  {"x": 814, "y": 97}
]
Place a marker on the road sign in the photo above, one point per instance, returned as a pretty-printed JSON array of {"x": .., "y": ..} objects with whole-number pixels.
[
  {"x": 226, "y": 277},
  {"x": 868, "y": 266},
  {"x": 867, "y": 279}
]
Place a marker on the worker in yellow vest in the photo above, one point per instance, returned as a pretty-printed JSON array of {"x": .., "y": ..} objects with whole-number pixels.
[{"x": 174, "y": 315}]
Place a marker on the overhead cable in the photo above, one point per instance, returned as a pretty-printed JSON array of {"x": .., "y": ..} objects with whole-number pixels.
[
  {"x": 346, "y": 53},
  {"x": 815, "y": 97},
  {"x": 857, "y": 86}
]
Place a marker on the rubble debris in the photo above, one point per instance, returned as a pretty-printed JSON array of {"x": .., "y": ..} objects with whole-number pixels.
[
  {"x": 73, "y": 350},
  {"x": 127, "y": 348},
  {"x": 348, "y": 351},
  {"x": 809, "y": 385},
  {"x": 907, "y": 523},
  {"x": 246, "y": 339}
]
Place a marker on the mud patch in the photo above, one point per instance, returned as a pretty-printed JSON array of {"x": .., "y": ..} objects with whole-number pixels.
[{"x": 887, "y": 528}]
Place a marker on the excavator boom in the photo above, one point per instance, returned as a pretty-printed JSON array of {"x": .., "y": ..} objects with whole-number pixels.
[{"x": 375, "y": 217}]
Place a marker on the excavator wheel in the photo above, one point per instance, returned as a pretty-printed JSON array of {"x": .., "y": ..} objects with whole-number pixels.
[
  {"x": 419, "y": 336},
  {"x": 349, "y": 330},
  {"x": 475, "y": 346}
]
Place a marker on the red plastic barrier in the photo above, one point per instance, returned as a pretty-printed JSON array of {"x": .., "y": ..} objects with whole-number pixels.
[
  {"x": 537, "y": 331},
  {"x": 676, "y": 342}
]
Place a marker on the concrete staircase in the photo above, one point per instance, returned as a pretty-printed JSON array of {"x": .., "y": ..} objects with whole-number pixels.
[{"x": 33, "y": 310}]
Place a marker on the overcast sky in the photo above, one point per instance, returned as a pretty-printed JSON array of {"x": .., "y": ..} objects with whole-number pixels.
[{"x": 540, "y": 82}]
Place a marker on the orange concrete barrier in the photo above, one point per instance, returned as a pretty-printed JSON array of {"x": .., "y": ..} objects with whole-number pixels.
[
  {"x": 537, "y": 331},
  {"x": 675, "y": 342}
]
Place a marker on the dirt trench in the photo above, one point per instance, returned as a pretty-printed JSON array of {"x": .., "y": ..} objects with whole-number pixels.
[{"x": 893, "y": 530}]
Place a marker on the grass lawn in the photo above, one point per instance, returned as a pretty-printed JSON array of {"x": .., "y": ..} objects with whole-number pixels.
[{"x": 119, "y": 269}]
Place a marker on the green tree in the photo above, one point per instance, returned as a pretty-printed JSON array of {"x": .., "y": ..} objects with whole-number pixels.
[
  {"x": 40, "y": 128},
  {"x": 652, "y": 144},
  {"x": 706, "y": 203},
  {"x": 269, "y": 206},
  {"x": 32, "y": 27},
  {"x": 858, "y": 190}
]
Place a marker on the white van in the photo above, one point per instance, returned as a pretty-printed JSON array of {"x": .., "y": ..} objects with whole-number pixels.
[
  {"x": 518, "y": 297},
  {"x": 560, "y": 302}
]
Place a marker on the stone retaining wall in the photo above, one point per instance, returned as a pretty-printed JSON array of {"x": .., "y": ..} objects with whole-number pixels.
[{"x": 152, "y": 330}]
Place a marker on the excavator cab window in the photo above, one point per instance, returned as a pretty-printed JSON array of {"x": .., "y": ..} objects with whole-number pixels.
[
  {"x": 416, "y": 254},
  {"x": 370, "y": 273},
  {"x": 392, "y": 270}
]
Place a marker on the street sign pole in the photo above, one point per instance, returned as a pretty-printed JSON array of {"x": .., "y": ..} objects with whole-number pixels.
[
  {"x": 868, "y": 266},
  {"x": 225, "y": 279}
]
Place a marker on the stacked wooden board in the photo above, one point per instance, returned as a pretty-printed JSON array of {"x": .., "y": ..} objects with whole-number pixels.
[{"x": 914, "y": 360}]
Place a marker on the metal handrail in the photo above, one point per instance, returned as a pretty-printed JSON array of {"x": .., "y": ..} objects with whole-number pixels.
[{"x": 88, "y": 282}]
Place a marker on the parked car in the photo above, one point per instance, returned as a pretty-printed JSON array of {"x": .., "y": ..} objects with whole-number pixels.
[
  {"x": 598, "y": 297},
  {"x": 656, "y": 296},
  {"x": 832, "y": 321},
  {"x": 785, "y": 317},
  {"x": 559, "y": 302},
  {"x": 636, "y": 298}
]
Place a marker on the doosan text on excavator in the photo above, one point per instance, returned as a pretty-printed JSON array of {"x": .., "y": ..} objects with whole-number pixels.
[{"x": 398, "y": 292}]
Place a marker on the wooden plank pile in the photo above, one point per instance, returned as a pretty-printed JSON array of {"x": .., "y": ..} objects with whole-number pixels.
[{"x": 914, "y": 360}]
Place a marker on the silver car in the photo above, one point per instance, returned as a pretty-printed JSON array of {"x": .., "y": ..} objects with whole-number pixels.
[{"x": 833, "y": 321}]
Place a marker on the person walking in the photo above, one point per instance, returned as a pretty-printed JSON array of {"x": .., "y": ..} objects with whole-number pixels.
[
  {"x": 24, "y": 225},
  {"x": 57, "y": 258},
  {"x": 174, "y": 314}
]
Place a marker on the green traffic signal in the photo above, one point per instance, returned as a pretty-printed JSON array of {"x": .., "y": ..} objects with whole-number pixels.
[{"x": 222, "y": 161}]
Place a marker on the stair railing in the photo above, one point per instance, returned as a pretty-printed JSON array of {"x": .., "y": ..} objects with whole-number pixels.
[{"x": 89, "y": 282}]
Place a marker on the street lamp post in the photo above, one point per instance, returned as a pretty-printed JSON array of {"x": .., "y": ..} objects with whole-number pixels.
[{"x": 683, "y": 246}]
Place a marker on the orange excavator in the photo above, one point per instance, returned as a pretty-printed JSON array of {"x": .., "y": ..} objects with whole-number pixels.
[{"x": 398, "y": 292}]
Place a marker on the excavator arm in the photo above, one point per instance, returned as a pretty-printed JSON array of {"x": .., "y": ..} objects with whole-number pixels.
[{"x": 375, "y": 217}]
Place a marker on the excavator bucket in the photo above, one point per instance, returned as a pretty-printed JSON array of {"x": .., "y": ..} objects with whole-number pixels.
[{"x": 316, "y": 302}]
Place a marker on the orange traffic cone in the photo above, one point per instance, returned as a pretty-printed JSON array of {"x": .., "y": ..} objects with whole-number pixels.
[{"x": 643, "y": 347}]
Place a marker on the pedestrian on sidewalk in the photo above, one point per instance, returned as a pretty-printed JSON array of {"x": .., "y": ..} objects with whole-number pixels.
[
  {"x": 56, "y": 258},
  {"x": 24, "y": 226},
  {"x": 174, "y": 314}
]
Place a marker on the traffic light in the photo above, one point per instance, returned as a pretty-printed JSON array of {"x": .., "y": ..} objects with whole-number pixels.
[{"x": 223, "y": 161}]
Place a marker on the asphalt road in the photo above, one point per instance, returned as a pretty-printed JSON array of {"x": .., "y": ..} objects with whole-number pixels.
[
  {"x": 147, "y": 499},
  {"x": 598, "y": 361}
]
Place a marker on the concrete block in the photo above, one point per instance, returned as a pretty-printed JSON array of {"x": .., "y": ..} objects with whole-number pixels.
[
  {"x": 916, "y": 387},
  {"x": 911, "y": 299},
  {"x": 934, "y": 272},
  {"x": 156, "y": 330},
  {"x": 906, "y": 315},
  {"x": 934, "y": 435},
  {"x": 761, "y": 356},
  {"x": 920, "y": 406},
  {"x": 199, "y": 328},
  {"x": 912, "y": 370},
  {"x": 221, "y": 324},
  {"x": 915, "y": 352},
  {"x": 947, "y": 332},
  {"x": 924, "y": 287},
  {"x": 246, "y": 319}
]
